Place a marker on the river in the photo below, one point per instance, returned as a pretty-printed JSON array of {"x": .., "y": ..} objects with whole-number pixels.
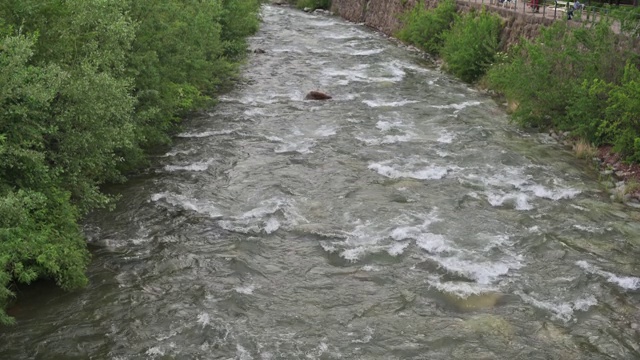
[{"x": 406, "y": 218}]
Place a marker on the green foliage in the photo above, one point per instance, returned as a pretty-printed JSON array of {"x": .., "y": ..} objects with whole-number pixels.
[
  {"x": 426, "y": 28},
  {"x": 544, "y": 76},
  {"x": 622, "y": 115},
  {"x": 575, "y": 79},
  {"x": 471, "y": 45},
  {"x": 313, "y": 4},
  {"x": 629, "y": 19},
  {"x": 85, "y": 87}
]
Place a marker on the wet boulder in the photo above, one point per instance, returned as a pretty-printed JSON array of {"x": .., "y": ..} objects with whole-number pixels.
[
  {"x": 259, "y": 51},
  {"x": 317, "y": 95},
  {"x": 278, "y": 2}
]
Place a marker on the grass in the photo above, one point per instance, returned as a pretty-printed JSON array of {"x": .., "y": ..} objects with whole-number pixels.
[{"x": 584, "y": 150}]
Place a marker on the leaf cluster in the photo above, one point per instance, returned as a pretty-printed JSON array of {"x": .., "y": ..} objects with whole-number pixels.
[
  {"x": 85, "y": 87},
  {"x": 471, "y": 45},
  {"x": 426, "y": 28},
  {"x": 583, "y": 80}
]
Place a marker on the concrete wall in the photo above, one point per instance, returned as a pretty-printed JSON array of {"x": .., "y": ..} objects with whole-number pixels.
[{"x": 384, "y": 15}]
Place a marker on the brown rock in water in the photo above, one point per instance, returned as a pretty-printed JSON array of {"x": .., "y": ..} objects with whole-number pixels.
[
  {"x": 317, "y": 95},
  {"x": 259, "y": 51}
]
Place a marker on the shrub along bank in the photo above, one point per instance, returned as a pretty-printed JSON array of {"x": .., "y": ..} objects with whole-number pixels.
[
  {"x": 85, "y": 87},
  {"x": 312, "y": 4},
  {"x": 585, "y": 80}
]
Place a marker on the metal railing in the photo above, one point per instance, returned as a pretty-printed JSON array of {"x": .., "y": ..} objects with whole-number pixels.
[{"x": 552, "y": 9}]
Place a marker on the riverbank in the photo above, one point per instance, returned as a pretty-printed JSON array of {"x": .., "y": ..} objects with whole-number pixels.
[
  {"x": 87, "y": 88},
  {"x": 385, "y": 15},
  {"x": 403, "y": 219}
]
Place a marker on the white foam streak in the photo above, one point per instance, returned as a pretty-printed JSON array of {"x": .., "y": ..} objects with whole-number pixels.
[
  {"x": 247, "y": 290},
  {"x": 197, "y": 166},
  {"x": 380, "y": 103},
  {"x": 459, "y": 288},
  {"x": 457, "y": 107},
  {"x": 206, "y": 133},
  {"x": 625, "y": 282},
  {"x": 187, "y": 203},
  {"x": 483, "y": 272},
  {"x": 386, "y": 125},
  {"x": 426, "y": 173},
  {"x": 366, "y": 52},
  {"x": 520, "y": 200},
  {"x": 302, "y": 147},
  {"x": 560, "y": 310},
  {"x": 434, "y": 243},
  {"x": 397, "y": 248},
  {"x": 179, "y": 152},
  {"x": 203, "y": 318},
  {"x": 446, "y": 137},
  {"x": 387, "y": 139},
  {"x": 542, "y": 192}
]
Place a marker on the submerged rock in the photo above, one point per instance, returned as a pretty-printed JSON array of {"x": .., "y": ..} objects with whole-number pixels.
[
  {"x": 474, "y": 301},
  {"x": 491, "y": 325},
  {"x": 317, "y": 95}
]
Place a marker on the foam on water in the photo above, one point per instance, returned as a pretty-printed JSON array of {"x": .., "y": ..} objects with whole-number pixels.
[
  {"x": 365, "y": 52},
  {"x": 503, "y": 181},
  {"x": 354, "y": 74},
  {"x": 434, "y": 243},
  {"x": 206, "y": 133},
  {"x": 446, "y": 137},
  {"x": 155, "y": 351},
  {"x": 484, "y": 272},
  {"x": 198, "y": 166},
  {"x": 381, "y": 103},
  {"x": 519, "y": 200},
  {"x": 430, "y": 172},
  {"x": 387, "y": 139},
  {"x": 589, "y": 228},
  {"x": 562, "y": 310},
  {"x": 552, "y": 194},
  {"x": 397, "y": 248},
  {"x": 625, "y": 282},
  {"x": 345, "y": 36},
  {"x": 242, "y": 353},
  {"x": 320, "y": 23},
  {"x": 326, "y": 130},
  {"x": 187, "y": 203},
  {"x": 203, "y": 319},
  {"x": 462, "y": 289},
  {"x": 268, "y": 217},
  {"x": 457, "y": 107},
  {"x": 302, "y": 147},
  {"x": 247, "y": 290},
  {"x": 179, "y": 152},
  {"x": 386, "y": 125}
]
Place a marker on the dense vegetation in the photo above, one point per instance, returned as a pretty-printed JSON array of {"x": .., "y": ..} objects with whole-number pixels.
[
  {"x": 85, "y": 87},
  {"x": 312, "y": 4},
  {"x": 426, "y": 28},
  {"x": 585, "y": 80}
]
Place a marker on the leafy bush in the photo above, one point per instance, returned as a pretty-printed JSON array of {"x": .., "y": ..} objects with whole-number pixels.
[
  {"x": 622, "y": 115},
  {"x": 313, "y": 4},
  {"x": 85, "y": 87},
  {"x": 425, "y": 28},
  {"x": 545, "y": 76},
  {"x": 471, "y": 45}
]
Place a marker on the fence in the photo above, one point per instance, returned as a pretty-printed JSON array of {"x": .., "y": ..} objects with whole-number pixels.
[{"x": 554, "y": 9}]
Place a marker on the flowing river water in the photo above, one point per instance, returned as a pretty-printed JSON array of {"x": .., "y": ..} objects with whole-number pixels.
[{"x": 406, "y": 218}]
